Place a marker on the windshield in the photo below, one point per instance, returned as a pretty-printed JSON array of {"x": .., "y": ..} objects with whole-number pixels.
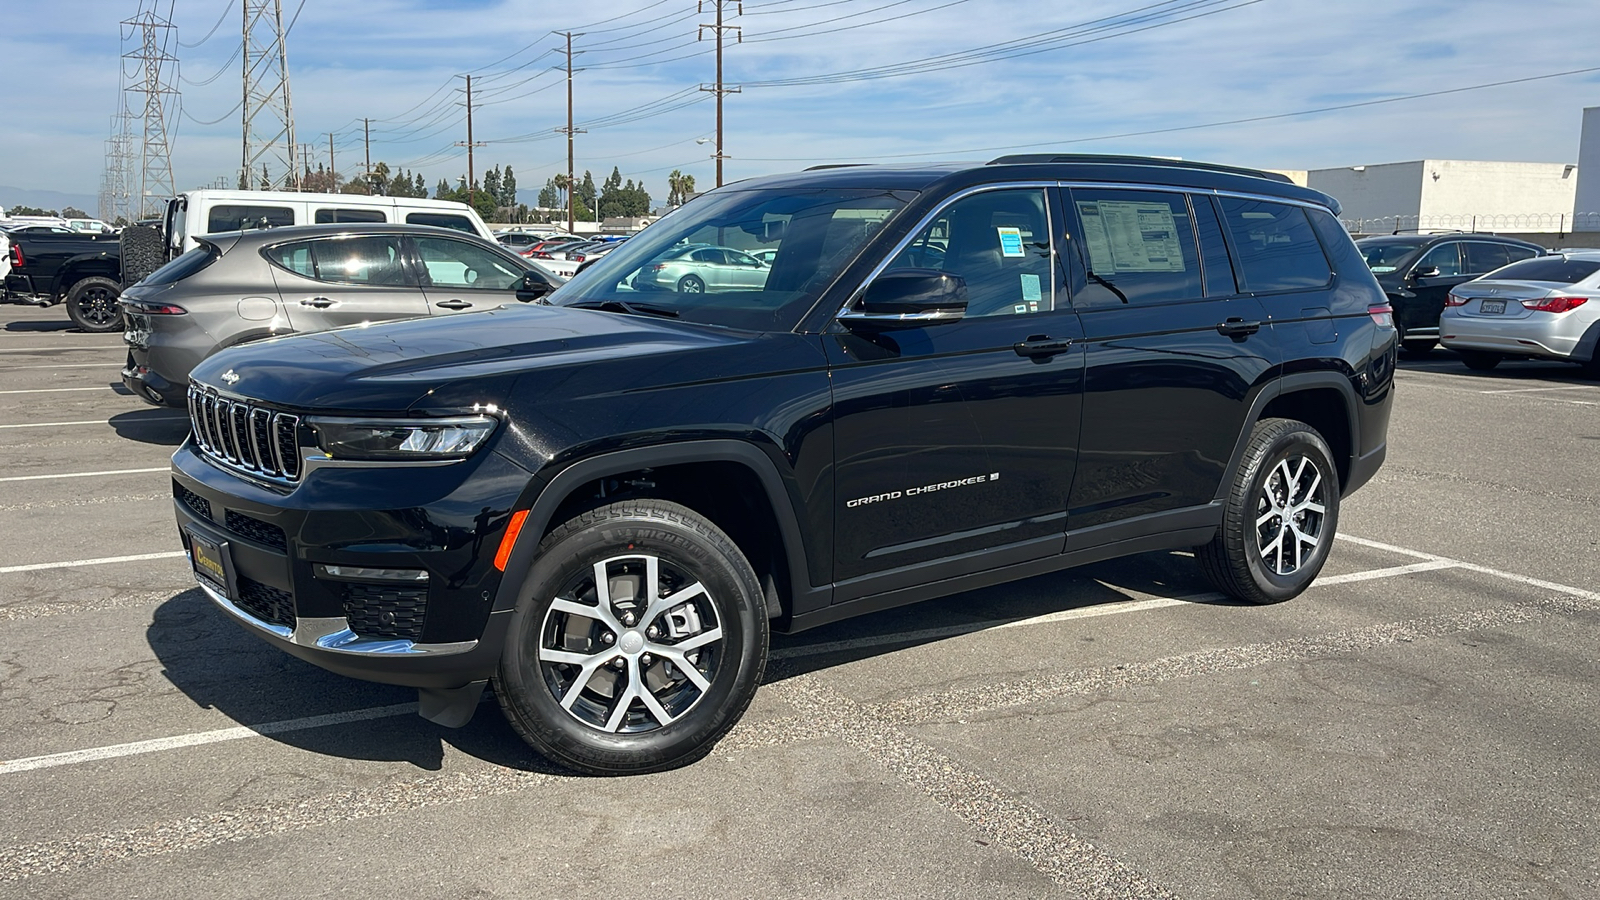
[
  {"x": 1554, "y": 269},
  {"x": 1386, "y": 255},
  {"x": 708, "y": 261}
]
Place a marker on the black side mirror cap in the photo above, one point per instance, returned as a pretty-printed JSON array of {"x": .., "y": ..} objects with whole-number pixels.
[
  {"x": 910, "y": 298},
  {"x": 532, "y": 288},
  {"x": 1425, "y": 272}
]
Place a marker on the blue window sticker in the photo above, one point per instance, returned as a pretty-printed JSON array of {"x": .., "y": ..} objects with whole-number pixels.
[
  {"x": 1031, "y": 291},
  {"x": 1011, "y": 242}
]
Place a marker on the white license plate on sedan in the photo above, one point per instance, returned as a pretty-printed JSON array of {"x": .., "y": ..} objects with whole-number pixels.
[{"x": 1492, "y": 307}]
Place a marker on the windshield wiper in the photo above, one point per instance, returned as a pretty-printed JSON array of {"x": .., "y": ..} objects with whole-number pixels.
[
  {"x": 624, "y": 306},
  {"x": 1107, "y": 285}
]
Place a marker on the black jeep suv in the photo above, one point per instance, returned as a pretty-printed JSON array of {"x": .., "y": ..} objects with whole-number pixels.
[{"x": 946, "y": 377}]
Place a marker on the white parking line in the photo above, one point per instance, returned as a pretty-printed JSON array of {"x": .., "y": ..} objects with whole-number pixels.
[
  {"x": 1431, "y": 562},
  {"x": 96, "y": 422},
  {"x": 101, "y": 561},
  {"x": 52, "y": 349},
  {"x": 84, "y": 474},
  {"x": 1569, "y": 387},
  {"x": 101, "y": 365},
  {"x": 73, "y": 757},
  {"x": 60, "y": 390}
]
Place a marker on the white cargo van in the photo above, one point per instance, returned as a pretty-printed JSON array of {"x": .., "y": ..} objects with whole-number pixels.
[{"x": 195, "y": 213}]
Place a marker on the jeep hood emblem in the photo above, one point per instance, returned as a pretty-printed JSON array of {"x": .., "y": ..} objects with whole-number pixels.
[{"x": 230, "y": 376}]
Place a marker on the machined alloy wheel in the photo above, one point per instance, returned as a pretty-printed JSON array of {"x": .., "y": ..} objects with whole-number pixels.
[
  {"x": 1289, "y": 515},
  {"x": 1280, "y": 514},
  {"x": 691, "y": 284},
  {"x": 638, "y": 640},
  {"x": 631, "y": 646}
]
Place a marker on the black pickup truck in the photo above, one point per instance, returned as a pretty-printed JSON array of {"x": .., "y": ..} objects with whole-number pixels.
[{"x": 49, "y": 265}]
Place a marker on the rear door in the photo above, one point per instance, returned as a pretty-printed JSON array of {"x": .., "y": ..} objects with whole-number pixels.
[
  {"x": 461, "y": 276},
  {"x": 1175, "y": 353},
  {"x": 345, "y": 280}
]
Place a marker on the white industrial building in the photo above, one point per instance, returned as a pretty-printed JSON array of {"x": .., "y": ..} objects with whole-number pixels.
[
  {"x": 1587, "y": 205},
  {"x": 1468, "y": 195}
]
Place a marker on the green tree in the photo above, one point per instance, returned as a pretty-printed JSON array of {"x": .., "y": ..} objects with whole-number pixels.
[
  {"x": 508, "y": 188},
  {"x": 680, "y": 188},
  {"x": 586, "y": 192},
  {"x": 72, "y": 212},
  {"x": 32, "y": 211},
  {"x": 550, "y": 195},
  {"x": 491, "y": 184},
  {"x": 442, "y": 191}
]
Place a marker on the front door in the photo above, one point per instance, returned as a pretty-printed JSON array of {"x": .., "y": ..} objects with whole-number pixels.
[
  {"x": 347, "y": 280},
  {"x": 1430, "y": 281},
  {"x": 462, "y": 276},
  {"x": 955, "y": 443}
]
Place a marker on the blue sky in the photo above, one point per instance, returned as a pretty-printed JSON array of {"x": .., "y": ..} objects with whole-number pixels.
[{"x": 1098, "y": 86}]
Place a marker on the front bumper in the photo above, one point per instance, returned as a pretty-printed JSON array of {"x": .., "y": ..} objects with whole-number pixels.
[{"x": 442, "y": 634}]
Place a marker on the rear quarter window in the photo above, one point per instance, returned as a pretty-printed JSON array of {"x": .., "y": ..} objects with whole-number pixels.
[
  {"x": 1277, "y": 248},
  {"x": 1554, "y": 269},
  {"x": 185, "y": 265}
]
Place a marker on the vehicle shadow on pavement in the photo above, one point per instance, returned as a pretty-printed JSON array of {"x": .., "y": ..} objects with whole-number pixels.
[
  {"x": 218, "y": 665},
  {"x": 167, "y": 427},
  {"x": 1160, "y": 574},
  {"x": 52, "y": 325}
]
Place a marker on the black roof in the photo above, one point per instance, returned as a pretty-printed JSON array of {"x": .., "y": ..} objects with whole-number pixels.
[{"x": 1044, "y": 167}]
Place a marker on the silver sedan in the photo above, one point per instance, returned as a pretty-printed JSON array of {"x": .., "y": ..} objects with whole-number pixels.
[
  {"x": 697, "y": 269},
  {"x": 1543, "y": 308}
]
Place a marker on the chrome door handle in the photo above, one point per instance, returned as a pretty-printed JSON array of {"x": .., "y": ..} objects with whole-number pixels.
[
  {"x": 454, "y": 304},
  {"x": 317, "y": 302}
]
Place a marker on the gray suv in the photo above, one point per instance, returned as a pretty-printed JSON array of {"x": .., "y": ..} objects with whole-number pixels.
[{"x": 249, "y": 285}]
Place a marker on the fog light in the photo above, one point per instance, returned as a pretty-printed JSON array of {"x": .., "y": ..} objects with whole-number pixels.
[{"x": 362, "y": 573}]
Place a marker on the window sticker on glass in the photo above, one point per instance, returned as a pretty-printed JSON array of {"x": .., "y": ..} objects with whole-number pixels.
[
  {"x": 1011, "y": 242},
  {"x": 1031, "y": 291},
  {"x": 1131, "y": 235}
]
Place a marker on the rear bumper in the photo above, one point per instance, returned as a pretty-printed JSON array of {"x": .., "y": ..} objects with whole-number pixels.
[
  {"x": 1542, "y": 335},
  {"x": 151, "y": 387}
]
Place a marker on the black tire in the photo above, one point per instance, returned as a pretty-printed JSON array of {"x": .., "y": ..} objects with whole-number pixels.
[
  {"x": 1418, "y": 346},
  {"x": 143, "y": 250},
  {"x": 1248, "y": 559},
  {"x": 92, "y": 305},
  {"x": 1480, "y": 361},
  {"x": 590, "y": 731},
  {"x": 691, "y": 284}
]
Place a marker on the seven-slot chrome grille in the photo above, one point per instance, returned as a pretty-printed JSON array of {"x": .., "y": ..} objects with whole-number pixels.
[{"x": 246, "y": 437}]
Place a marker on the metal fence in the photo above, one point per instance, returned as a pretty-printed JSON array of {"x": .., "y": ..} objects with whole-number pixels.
[{"x": 1557, "y": 223}]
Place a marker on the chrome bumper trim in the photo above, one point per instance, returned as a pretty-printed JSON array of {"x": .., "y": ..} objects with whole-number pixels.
[{"x": 334, "y": 635}]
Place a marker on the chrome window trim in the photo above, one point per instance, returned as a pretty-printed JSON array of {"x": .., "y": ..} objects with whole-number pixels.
[
  {"x": 1181, "y": 189},
  {"x": 927, "y": 220}
]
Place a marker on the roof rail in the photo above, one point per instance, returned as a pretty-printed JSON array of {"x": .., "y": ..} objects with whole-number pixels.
[
  {"x": 1111, "y": 160},
  {"x": 833, "y": 166}
]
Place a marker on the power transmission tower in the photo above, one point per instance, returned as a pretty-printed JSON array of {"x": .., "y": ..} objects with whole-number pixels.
[
  {"x": 719, "y": 88},
  {"x": 268, "y": 113},
  {"x": 472, "y": 178},
  {"x": 117, "y": 185},
  {"x": 158, "y": 69},
  {"x": 569, "y": 131}
]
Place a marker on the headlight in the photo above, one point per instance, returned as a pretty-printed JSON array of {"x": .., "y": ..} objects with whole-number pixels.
[{"x": 455, "y": 438}]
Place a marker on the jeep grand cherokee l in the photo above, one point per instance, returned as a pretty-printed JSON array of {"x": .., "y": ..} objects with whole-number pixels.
[{"x": 950, "y": 377}]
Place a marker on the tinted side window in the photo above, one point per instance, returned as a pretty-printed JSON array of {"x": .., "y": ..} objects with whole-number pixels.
[
  {"x": 442, "y": 220},
  {"x": 1446, "y": 258},
  {"x": 374, "y": 260},
  {"x": 1139, "y": 247},
  {"x": 327, "y": 216},
  {"x": 294, "y": 257},
  {"x": 1485, "y": 257},
  {"x": 1518, "y": 254},
  {"x": 999, "y": 243},
  {"x": 236, "y": 217},
  {"x": 1278, "y": 250}
]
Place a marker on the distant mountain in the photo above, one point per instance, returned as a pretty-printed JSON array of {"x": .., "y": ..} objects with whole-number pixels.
[{"x": 57, "y": 200}]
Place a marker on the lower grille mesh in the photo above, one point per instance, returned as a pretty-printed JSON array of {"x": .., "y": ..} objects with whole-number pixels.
[
  {"x": 257, "y": 530},
  {"x": 266, "y": 602},
  {"x": 386, "y": 612}
]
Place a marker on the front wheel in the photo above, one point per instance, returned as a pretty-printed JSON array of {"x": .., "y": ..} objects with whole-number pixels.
[
  {"x": 92, "y": 305},
  {"x": 1418, "y": 346},
  {"x": 1280, "y": 517},
  {"x": 1479, "y": 361},
  {"x": 638, "y": 640}
]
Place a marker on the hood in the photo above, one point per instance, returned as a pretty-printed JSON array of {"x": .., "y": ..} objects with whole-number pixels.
[{"x": 446, "y": 362}]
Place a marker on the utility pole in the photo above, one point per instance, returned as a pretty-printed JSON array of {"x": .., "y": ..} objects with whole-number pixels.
[
  {"x": 472, "y": 178},
  {"x": 570, "y": 130},
  {"x": 366, "y": 130},
  {"x": 333, "y": 178},
  {"x": 720, "y": 89},
  {"x": 155, "y": 173},
  {"x": 268, "y": 114}
]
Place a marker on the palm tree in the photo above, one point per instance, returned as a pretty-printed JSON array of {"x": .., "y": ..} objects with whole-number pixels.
[{"x": 679, "y": 188}]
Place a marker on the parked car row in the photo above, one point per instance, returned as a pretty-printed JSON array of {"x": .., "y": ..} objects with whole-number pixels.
[{"x": 1490, "y": 298}]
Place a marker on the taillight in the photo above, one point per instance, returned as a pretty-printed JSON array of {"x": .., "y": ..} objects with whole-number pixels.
[
  {"x": 1555, "y": 304},
  {"x": 16, "y": 256},
  {"x": 1383, "y": 315},
  {"x": 1455, "y": 299},
  {"x": 157, "y": 309}
]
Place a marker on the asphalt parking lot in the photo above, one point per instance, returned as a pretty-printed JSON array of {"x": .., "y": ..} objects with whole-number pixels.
[{"x": 1421, "y": 723}]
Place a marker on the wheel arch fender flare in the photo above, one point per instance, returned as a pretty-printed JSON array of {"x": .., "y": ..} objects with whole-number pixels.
[
  {"x": 1588, "y": 347},
  {"x": 87, "y": 265},
  {"x": 574, "y": 475},
  {"x": 1290, "y": 384}
]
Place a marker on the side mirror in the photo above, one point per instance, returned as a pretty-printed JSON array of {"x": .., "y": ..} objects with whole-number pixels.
[
  {"x": 532, "y": 288},
  {"x": 1425, "y": 272},
  {"x": 909, "y": 298}
]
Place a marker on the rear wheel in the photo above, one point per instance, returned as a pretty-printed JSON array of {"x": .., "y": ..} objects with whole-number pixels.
[
  {"x": 92, "y": 305},
  {"x": 1280, "y": 518},
  {"x": 1418, "y": 346},
  {"x": 638, "y": 641},
  {"x": 1479, "y": 360},
  {"x": 691, "y": 284}
]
